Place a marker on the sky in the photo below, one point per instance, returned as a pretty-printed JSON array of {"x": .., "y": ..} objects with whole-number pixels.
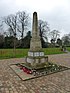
[{"x": 55, "y": 12}]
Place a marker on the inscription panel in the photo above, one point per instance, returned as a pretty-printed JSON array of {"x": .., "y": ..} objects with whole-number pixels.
[
  {"x": 30, "y": 53},
  {"x": 30, "y": 60},
  {"x": 36, "y": 54},
  {"x": 41, "y": 53}
]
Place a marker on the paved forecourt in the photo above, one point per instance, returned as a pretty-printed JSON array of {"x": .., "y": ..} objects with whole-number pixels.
[{"x": 54, "y": 83}]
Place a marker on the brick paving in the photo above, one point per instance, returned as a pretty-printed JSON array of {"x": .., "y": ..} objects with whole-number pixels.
[{"x": 54, "y": 83}]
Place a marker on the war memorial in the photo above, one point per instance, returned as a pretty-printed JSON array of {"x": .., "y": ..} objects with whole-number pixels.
[
  {"x": 36, "y": 64},
  {"x": 37, "y": 72}
]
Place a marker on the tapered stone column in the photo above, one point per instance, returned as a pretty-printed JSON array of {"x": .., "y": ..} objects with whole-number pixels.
[
  {"x": 35, "y": 41},
  {"x": 35, "y": 54}
]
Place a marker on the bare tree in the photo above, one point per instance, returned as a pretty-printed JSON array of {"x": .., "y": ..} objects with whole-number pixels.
[
  {"x": 66, "y": 39},
  {"x": 23, "y": 20},
  {"x": 44, "y": 29},
  {"x": 23, "y": 23},
  {"x": 1, "y": 26},
  {"x": 11, "y": 22},
  {"x": 54, "y": 34},
  {"x": 1, "y": 40}
]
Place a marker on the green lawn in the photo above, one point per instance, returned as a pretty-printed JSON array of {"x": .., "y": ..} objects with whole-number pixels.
[
  {"x": 49, "y": 51},
  {"x": 9, "y": 53},
  {"x": 68, "y": 48}
]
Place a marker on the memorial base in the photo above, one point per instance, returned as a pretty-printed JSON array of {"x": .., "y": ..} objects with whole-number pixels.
[{"x": 35, "y": 61}]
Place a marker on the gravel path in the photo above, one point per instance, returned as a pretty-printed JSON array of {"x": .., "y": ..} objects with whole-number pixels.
[{"x": 54, "y": 83}]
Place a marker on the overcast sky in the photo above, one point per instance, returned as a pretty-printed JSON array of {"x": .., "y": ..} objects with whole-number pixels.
[{"x": 56, "y": 12}]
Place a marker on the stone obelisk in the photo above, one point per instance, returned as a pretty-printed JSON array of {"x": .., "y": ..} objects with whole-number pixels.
[
  {"x": 35, "y": 54},
  {"x": 35, "y": 41}
]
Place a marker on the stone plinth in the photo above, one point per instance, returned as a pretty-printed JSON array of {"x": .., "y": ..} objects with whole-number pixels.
[{"x": 36, "y": 60}]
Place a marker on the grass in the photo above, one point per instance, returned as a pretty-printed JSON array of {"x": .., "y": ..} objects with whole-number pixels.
[
  {"x": 49, "y": 51},
  {"x": 68, "y": 48},
  {"x": 9, "y": 53}
]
